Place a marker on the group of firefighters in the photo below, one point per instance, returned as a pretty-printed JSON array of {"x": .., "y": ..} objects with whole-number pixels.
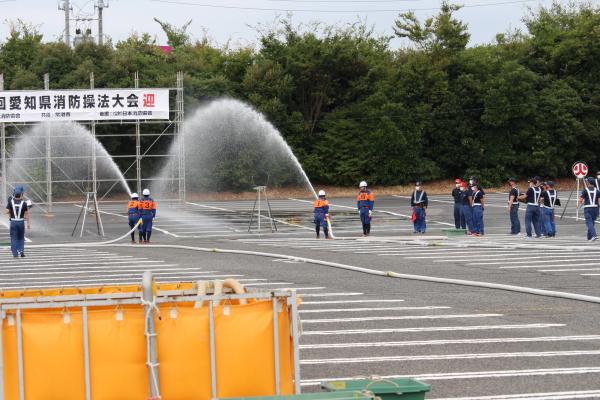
[
  {"x": 540, "y": 199},
  {"x": 144, "y": 209},
  {"x": 17, "y": 209}
]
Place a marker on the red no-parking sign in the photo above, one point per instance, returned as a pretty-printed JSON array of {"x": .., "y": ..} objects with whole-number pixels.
[{"x": 580, "y": 169}]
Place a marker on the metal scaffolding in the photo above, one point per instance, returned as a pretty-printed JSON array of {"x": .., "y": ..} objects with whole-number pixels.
[{"x": 43, "y": 190}]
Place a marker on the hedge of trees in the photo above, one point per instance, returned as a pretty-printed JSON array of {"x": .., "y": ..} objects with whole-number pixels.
[{"x": 352, "y": 106}]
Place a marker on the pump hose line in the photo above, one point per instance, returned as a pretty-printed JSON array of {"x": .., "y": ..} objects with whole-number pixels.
[{"x": 370, "y": 271}]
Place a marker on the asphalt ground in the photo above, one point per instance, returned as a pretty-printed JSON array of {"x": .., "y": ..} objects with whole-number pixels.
[{"x": 468, "y": 343}]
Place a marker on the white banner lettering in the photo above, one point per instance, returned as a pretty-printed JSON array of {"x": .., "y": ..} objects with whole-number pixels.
[{"x": 84, "y": 105}]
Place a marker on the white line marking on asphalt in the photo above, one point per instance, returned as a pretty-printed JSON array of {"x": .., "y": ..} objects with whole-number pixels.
[
  {"x": 449, "y": 341},
  {"x": 333, "y": 310},
  {"x": 34, "y": 260},
  {"x": 581, "y": 394},
  {"x": 183, "y": 232},
  {"x": 431, "y": 329},
  {"x": 109, "y": 263},
  {"x": 522, "y": 257},
  {"x": 466, "y": 356},
  {"x": 350, "y": 301},
  {"x": 473, "y": 375},
  {"x": 335, "y": 294},
  {"x": 550, "y": 265},
  {"x": 568, "y": 269},
  {"x": 274, "y": 219},
  {"x": 93, "y": 269},
  {"x": 528, "y": 261},
  {"x": 398, "y": 317},
  {"x": 62, "y": 275},
  {"x": 71, "y": 271},
  {"x": 269, "y": 283},
  {"x": 50, "y": 253}
]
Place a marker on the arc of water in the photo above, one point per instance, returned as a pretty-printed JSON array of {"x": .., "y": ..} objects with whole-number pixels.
[
  {"x": 235, "y": 120},
  {"x": 134, "y": 163},
  {"x": 69, "y": 179},
  {"x": 53, "y": 163}
]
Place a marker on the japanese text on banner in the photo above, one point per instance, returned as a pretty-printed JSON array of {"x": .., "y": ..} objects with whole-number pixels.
[{"x": 84, "y": 105}]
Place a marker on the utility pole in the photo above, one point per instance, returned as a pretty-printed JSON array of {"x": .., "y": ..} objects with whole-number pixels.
[
  {"x": 102, "y": 4},
  {"x": 66, "y": 7}
]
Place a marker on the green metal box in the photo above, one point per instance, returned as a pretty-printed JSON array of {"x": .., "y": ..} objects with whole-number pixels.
[
  {"x": 386, "y": 389},
  {"x": 454, "y": 232}
]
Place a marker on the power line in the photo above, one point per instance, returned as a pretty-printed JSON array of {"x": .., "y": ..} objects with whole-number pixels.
[{"x": 205, "y": 5}]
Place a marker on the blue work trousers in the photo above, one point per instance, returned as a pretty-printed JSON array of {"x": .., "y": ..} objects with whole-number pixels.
[
  {"x": 467, "y": 214},
  {"x": 548, "y": 221},
  {"x": 515, "y": 224},
  {"x": 459, "y": 219},
  {"x": 133, "y": 219},
  {"x": 590, "y": 214},
  {"x": 321, "y": 222},
  {"x": 366, "y": 220},
  {"x": 532, "y": 217},
  {"x": 478, "y": 220},
  {"x": 146, "y": 223},
  {"x": 17, "y": 237},
  {"x": 420, "y": 224}
]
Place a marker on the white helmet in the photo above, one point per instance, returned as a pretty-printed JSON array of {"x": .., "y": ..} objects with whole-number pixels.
[
  {"x": 134, "y": 196},
  {"x": 321, "y": 193},
  {"x": 362, "y": 184},
  {"x": 146, "y": 192}
]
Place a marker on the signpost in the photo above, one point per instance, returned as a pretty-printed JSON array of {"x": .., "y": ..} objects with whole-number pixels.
[{"x": 580, "y": 170}]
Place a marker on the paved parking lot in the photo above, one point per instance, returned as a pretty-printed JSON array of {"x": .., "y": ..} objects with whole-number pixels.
[{"x": 469, "y": 343}]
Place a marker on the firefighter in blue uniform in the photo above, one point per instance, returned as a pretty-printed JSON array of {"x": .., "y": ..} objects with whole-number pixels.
[
  {"x": 477, "y": 204},
  {"x": 532, "y": 212},
  {"x": 133, "y": 214},
  {"x": 542, "y": 223},
  {"x": 321, "y": 213},
  {"x": 148, "y": 213},
  {"x": 513, "y": 207},
  {"x": 459, "y": 219},
  {"x": 465, "y": 207},
  {"x": 365, "y": 201},
  {"x": 18, "y": 213},
  {"x": 547, "y": 203},
  {"x": 590, "y": 199},
  {"x": 419, "y": 203},
  {"x": 473, "y": 181}
]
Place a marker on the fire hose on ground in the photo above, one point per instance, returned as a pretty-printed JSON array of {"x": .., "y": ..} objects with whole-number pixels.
[{"x": 370, "y": 271}]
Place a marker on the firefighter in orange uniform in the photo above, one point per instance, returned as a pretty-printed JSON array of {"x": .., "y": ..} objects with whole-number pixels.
[
  {"x": 365, "y": 201},
  {"x": 148, "y": 213},
  {"x": 133, "y": 214},
  {"x": 321, "y": 213}
]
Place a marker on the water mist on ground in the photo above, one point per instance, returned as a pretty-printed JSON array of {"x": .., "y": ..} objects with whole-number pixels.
[
  {"x": 230, "y": 147},
  {"x": 71, "y": 154}
]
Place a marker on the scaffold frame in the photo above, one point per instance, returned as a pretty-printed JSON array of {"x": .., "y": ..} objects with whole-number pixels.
[{"x": 44, "y": 189}]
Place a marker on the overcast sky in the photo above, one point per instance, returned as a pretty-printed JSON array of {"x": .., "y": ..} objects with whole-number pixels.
[{"x": 232, "y": 20}]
